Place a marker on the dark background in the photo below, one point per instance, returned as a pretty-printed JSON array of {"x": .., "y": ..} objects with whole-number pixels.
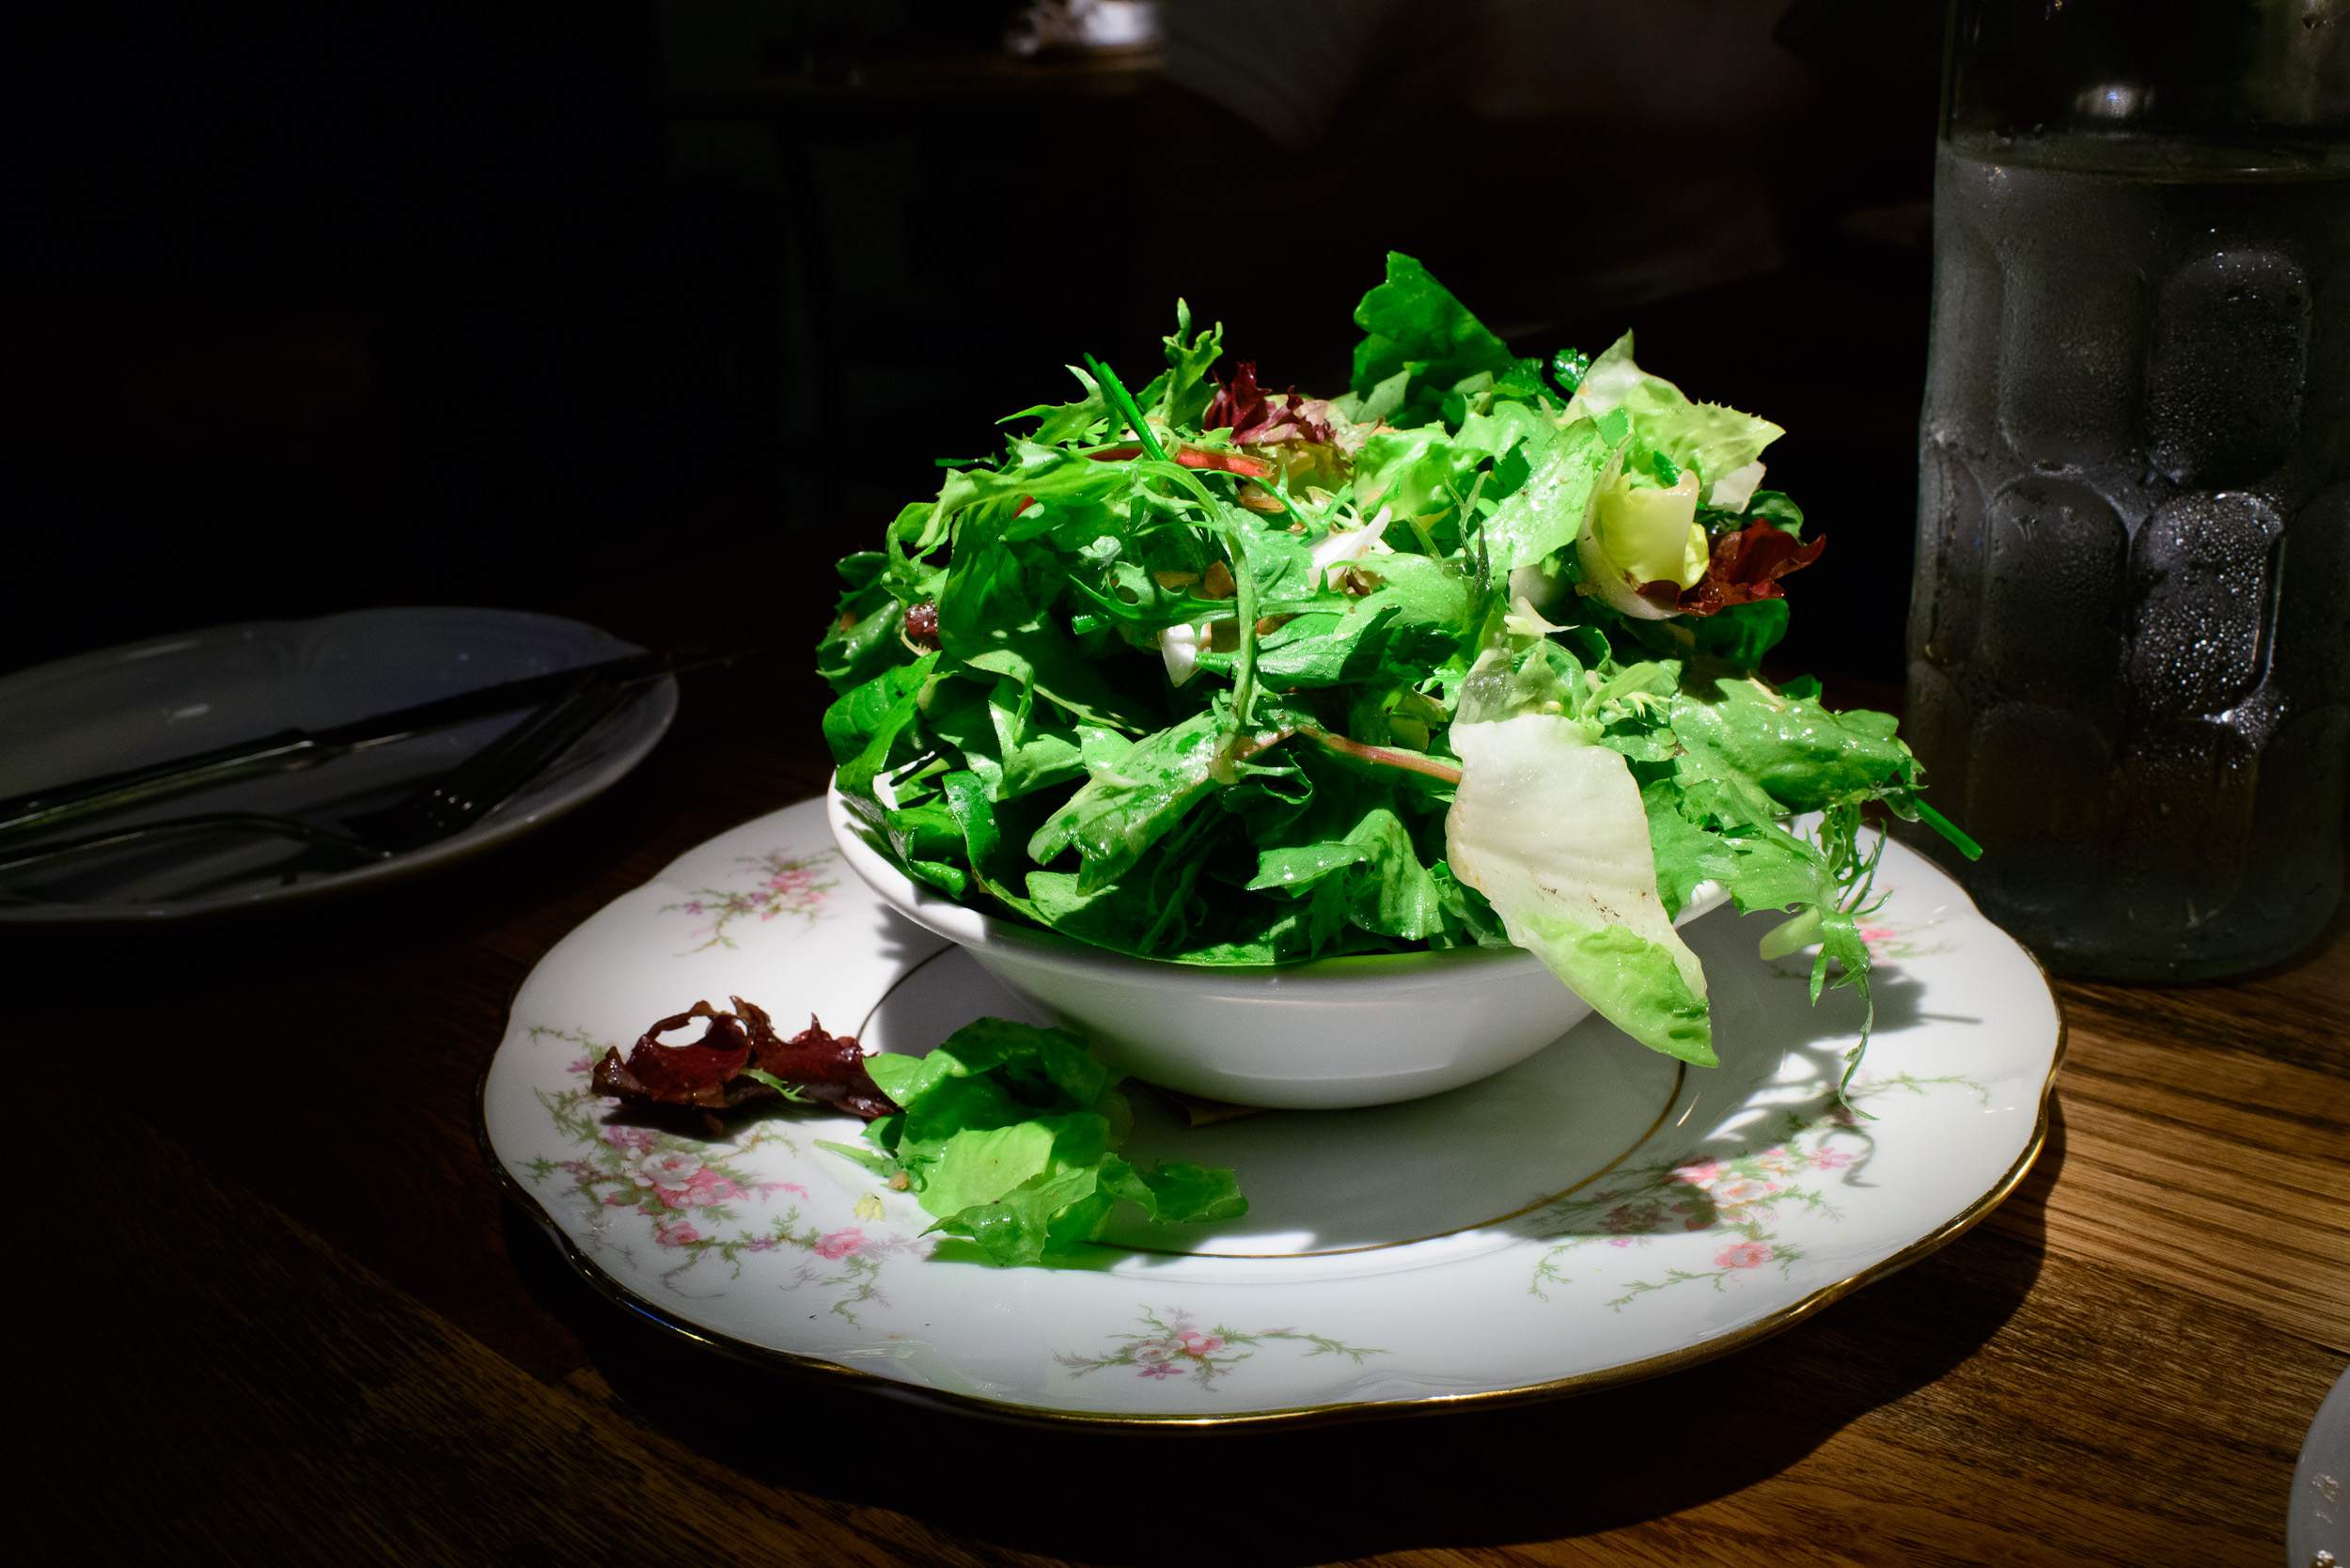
[{"x": 310, "y": 309}]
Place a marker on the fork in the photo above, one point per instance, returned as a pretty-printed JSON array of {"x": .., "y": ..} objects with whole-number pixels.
[{"x": 446, "y": 806}]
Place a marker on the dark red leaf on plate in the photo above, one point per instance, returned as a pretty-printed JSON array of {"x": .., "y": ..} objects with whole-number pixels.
[
  {"x": 828, "y": 1068},
  {"x": 710, "y": 1074},
  {"x": 694, "y": 1075}
]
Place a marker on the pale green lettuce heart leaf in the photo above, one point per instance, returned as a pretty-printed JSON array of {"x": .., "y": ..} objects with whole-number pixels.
[
  {"x": 1550, "y": 828},
  {"x": 981, "y": 1165},
  {"x": 1635, "y": 985}
]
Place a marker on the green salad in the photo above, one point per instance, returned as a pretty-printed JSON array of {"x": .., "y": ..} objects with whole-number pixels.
[
  {"x": 1009, "y": 1135},
  {"x": 1465, "y": 656}
]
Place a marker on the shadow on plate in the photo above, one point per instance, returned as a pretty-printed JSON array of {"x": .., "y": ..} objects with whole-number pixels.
[{"x": 1518, "y": 1153}]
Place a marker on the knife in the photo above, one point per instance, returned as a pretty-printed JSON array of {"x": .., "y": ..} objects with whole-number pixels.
[{"x": 293, "y": 750}]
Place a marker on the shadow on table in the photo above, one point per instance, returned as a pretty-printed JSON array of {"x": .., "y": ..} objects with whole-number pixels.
[{"x": 1568, "y": 1468}]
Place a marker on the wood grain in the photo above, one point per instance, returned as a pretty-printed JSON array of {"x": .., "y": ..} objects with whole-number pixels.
[{"x": 2198, "y": 1170}]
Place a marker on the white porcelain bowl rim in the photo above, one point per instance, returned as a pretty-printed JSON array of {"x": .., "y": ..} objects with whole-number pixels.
[{"x": 973, "y": 928}]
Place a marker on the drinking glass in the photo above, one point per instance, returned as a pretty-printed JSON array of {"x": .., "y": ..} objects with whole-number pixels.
[{"x": 2130, "y": 636}]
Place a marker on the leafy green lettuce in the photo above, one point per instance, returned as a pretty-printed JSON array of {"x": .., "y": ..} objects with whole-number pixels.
[
  {"x": 1010, "y": 1137},
  {"x": 1220, "y": 704},
  {"x": 1416, "y": 329},
  {"x": 1715, "y": 441}
]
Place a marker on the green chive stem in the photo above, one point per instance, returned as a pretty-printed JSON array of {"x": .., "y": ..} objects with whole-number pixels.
[
  {"x": 1949, "y": 830},
  {"x": 1114, "y": 392}
]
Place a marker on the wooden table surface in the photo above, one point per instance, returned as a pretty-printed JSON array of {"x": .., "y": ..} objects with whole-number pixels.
[{"x": 271, "y": 1307}]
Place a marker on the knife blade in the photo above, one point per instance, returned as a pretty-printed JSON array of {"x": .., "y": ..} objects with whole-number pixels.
[{"x": 295, "y": 750}]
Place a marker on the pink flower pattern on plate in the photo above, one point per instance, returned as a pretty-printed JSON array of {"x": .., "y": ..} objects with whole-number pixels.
[
  {"x": 1737, "y": 1196},
  {"x": 1634, "y": 1219},
  {"x": 840, "y": 1244},
  {"x": 689, "y": 1192},
  {"x": 707, "y": 1190},
  {"x": 1888, "y": 941},
  {"x": 1176, "y": 1347},
  {"x": 780, "y": 885},
  {"x": 669, "y": 1169},
  {"x": 1731, "y": 1192}
]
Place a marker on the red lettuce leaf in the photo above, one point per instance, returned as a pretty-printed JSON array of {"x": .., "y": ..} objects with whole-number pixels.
[
  {"x": 1746, "y": 566},
  {"x": 713, "y": 1072},
  {"x": 1256, "y": 419}
]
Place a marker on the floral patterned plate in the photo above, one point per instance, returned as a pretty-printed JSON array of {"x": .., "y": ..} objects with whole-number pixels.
[{"x": 1595, "y": 1214}]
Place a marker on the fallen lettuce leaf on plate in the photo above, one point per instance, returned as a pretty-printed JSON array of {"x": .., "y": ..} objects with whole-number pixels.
[{"x": 1010, "y": 1137}]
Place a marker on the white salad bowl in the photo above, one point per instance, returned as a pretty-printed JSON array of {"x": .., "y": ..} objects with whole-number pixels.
[{"x": 1365, "y": 1030}]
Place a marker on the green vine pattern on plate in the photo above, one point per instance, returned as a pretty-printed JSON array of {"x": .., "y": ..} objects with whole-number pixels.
[
  {"x": 1175, "y": 1347},
  {"x": 782, "y": 885},
  {"x": 1738, "y": 1198},
  {"x": 693, "y": 1190}
]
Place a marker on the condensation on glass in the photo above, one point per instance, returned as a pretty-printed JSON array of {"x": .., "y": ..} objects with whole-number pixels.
[{"x": 2129, "y": 639}]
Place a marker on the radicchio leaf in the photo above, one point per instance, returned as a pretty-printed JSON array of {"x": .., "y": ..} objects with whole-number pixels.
[
  {"x": 1256, "y": 419},
  {"x": 1746, "y": 566},
  {"x": 713, "y": 1072}
]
